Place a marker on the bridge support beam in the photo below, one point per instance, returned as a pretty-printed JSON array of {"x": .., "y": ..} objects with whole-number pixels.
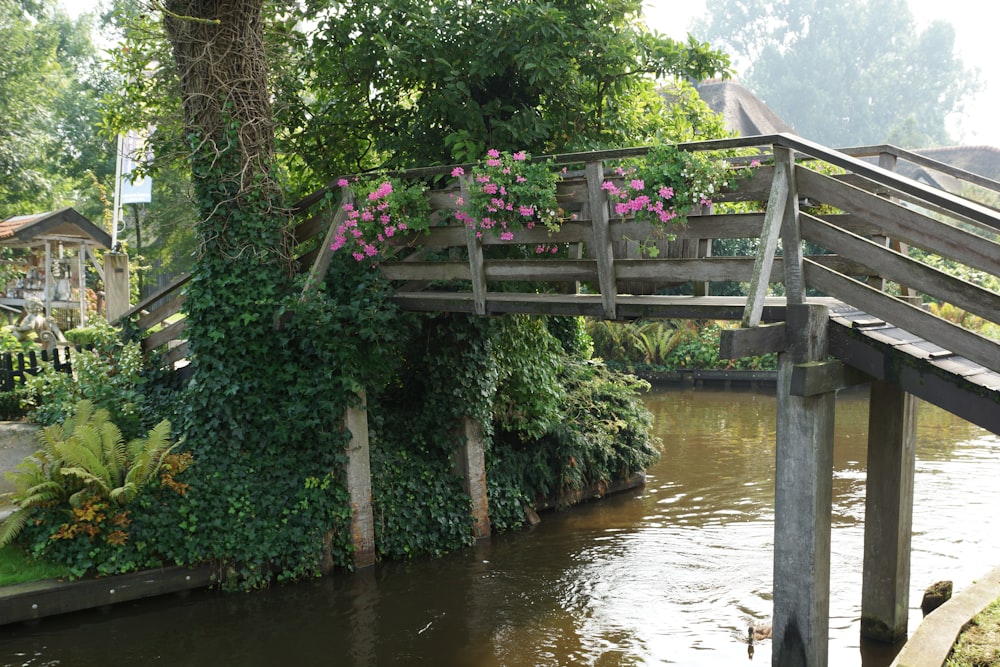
[
  {"x": 802, "y": 499},
  {"x": 470, "y": 465},
  {"x": 359, "y": 484},
  {"x": 885, "y": 592}
]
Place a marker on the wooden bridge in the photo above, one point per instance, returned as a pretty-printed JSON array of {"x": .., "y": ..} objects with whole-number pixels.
[{"x": 849, "y": 315}]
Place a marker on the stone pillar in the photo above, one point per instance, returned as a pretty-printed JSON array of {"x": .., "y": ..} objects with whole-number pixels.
[
  {"x": 359, "y": 484},
  {"x": 116, "y": 285},
  {"x": 470, "y": 464},
  {"x": 885, "y": 592},
  {"x": 802, "y": 501}
]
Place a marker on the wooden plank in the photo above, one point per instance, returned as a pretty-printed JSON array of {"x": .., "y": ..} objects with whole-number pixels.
[
  {"x": 145, "y": 303},
  {"x": 900, "y": 268},
  {"x": 791, "y": 237},
  {"x": 915, "y": 320},
  {"x": 23, "y": 602},
  {"x": 904, "y": 224},
  {"x": 970, "y": 398},
  {"x": 777, "y": 202},
  {"x": 762, "y": 339},
  {"x": 603, "y": 248},
  {"x": 164, "y": 335},
  {"x": 159, "y": 314},
  {"x": 821, "y": 377},
  {"x": 425, "y": 271},
  {"x": 176, "y": 353}
]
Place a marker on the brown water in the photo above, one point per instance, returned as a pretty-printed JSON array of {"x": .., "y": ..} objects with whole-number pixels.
[{"x": 669, "y": 574}]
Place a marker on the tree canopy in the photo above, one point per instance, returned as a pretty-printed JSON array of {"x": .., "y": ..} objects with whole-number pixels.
[
  {"x": 846, "y": 73},
  {"x": 407, "y": 82},
  {"x": 49, "y": 96}
]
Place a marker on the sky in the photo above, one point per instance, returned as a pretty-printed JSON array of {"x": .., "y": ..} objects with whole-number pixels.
[
  {"x": 975, "y": 38},
  {"x": 975, "y": 43}
]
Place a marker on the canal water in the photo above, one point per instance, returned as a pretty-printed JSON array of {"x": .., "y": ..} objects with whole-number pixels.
[{"x": 672, "y": 573}]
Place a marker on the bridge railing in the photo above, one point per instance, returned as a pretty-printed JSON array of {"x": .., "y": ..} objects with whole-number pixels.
[{"x": 876, "y": 214}]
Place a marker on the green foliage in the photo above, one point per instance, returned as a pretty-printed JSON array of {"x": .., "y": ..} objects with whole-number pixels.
[
  {"x": 882, "y": 76},
  {"x": 680, "y": 345},
  {"x": 455, "y": 78},
  {"x": 419, "y": 503},
  {"x": 571, "y": 332},
  {"x": 529, "y": 393},
  {"x": 83, "y": 466},
  {"x": 603, "y": 433},
  {"x": 108, "y": 375},
  {"x": 48, "y": 100}
]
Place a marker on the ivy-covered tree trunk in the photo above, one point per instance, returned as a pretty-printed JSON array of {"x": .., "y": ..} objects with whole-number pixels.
[
  {"x": 243, "y": 264},
  {"x": 259, "y": 500}
]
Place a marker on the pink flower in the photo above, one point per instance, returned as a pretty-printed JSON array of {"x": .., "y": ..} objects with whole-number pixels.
[
  {"x": 401, "y": 226},
  {"x": 358, "y": 256},
  {"x": 348, "y": 207},
  {"x": 493, "y": 162},
  {"x": 637, "y": 184},
  {"x": 493, "y": 152},
  {"x": 457, "y": 171},
  {"x": 385, "y": 219},
  {"x": 343, "y": 183},
  {"x": 555, "y": 250},
  {"x": 390, "y": 231},
  {"x": 519, "y": 156},
  {"x": 371, "y": 250},
  {"x": 490, "y": 188},
  {"x": 666, "y": 192},
  {"x": 507, "y": 236},
  {"x": 520, "y": 179},
  {"x": 526, "y": 211},
  {"x": 483, "y": 178},
  {"x": 367, "y": 216}
]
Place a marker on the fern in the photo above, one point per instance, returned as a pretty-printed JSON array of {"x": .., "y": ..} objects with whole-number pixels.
[{"x": 83, "y": 459}]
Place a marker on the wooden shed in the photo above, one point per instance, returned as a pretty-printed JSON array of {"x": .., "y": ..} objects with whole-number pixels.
[{"x": 51, "y": 265}]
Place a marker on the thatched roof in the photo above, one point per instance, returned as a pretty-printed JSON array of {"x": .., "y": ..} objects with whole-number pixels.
[
  {"x": 742, "y": 111},
  {"x": 64, "y": 224}
]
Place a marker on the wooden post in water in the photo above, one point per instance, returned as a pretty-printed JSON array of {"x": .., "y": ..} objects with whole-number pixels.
[
  {"x": 802, "y": 500},
  {"x": 885, "y": 592},
  {"x": 470, "y": 464},
  {"x": 359, "y": 484}
]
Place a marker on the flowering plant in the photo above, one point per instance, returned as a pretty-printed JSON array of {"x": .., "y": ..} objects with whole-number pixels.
[
  {"x": 665, "y": 186},
  {"x": 382, "y": 207},
  {"x": 507, "y": 193}
]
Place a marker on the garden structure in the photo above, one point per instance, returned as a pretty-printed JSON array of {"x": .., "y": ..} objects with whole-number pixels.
[
  {"x": 53, "y": 250},
  {"x": 838, "y": 304}
]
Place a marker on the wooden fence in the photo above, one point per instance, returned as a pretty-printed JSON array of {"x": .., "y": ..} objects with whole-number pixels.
[{"x": 16, "y": 367}]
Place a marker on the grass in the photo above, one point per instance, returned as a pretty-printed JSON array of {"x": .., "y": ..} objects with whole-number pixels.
[
  {"x": 979, "y": 644},
  {"x": 17, "y": 567}
]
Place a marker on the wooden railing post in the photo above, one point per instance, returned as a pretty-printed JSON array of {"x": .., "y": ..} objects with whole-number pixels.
[
  {"x": 603, "y": 248},
  {"x": 477, "y": 267},
  {"x": 781, "y": 213}
]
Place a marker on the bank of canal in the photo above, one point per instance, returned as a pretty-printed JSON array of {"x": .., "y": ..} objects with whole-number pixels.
[{"x": 671, "y": 573}]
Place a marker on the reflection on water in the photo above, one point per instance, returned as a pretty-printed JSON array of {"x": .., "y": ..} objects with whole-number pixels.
[{"x": 669, "y": 574}]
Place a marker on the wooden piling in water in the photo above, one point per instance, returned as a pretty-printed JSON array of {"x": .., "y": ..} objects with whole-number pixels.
[
  {"x": 885, "y": 588},
  {"x": 802, "y": 501}
]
